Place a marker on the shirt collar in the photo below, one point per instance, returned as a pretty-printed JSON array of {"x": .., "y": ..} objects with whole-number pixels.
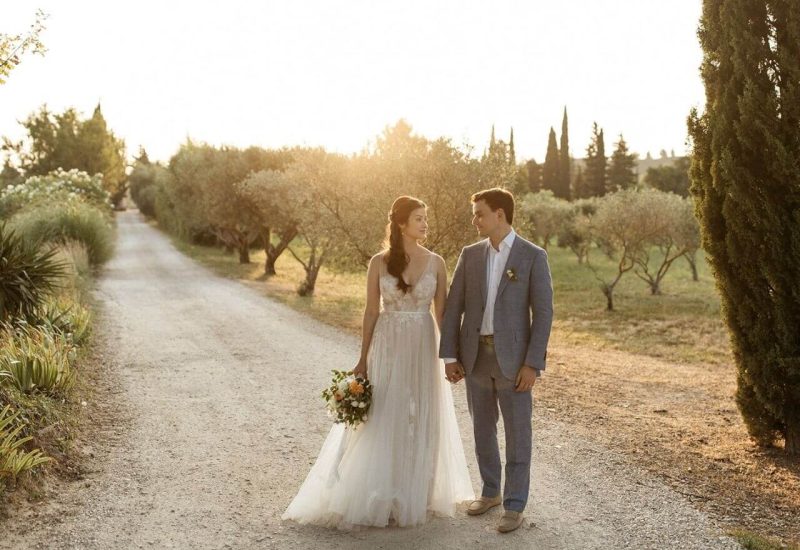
[{"x": 508, "y": 242}]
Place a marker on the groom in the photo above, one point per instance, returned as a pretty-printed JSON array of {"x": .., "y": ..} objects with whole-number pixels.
[{"x": 494, "y": 333}]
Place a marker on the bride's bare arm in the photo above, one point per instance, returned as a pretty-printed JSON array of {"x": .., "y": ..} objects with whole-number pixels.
[
  {"x": 371, "y": 311},
  {"x": 440, "y": 298}
]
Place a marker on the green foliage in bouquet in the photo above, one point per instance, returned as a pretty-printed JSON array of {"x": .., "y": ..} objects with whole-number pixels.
[{"x": 348, "y": 398}]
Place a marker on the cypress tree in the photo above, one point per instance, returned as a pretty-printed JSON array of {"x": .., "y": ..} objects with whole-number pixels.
[
  {"x": 746, "y": 185},
  {"x": 512, "y": 155},
  {"x": 534, "y": 173},
  {"x": 550, "y": 168},
  {"x": 579, "y": 185},
  {"x": 602, "y": 164},
  {"x": 595, "y": 173},
  {"x": 622, "y": 170},
  {"x": 564, "y": 161}
]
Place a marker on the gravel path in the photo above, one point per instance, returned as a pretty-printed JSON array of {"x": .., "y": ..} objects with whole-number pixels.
[{"x": 218, "y": 388}]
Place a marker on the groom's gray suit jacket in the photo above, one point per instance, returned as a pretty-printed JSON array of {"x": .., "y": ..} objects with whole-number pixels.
[{"x": 523, "y": 309}]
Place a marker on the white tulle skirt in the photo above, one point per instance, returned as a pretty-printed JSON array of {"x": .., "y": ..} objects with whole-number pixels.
[{"x": 407, "y": 460}]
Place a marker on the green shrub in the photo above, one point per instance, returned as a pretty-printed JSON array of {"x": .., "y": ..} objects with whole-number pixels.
[
  {"x": 13, "y": 459},
  {"x": 142, "y": 185},
  {"x": 60, "y": 223},
  {"x": 63, "y": 315},
  {"x": 28, "y": 274},
  {"x": 37, "y": 359},
  {"x": 77, "y": 280},
  {"x": 147, "y": 201}
]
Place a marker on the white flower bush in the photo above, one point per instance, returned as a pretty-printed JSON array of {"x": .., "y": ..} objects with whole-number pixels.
[{"x": 59, "y": 185}]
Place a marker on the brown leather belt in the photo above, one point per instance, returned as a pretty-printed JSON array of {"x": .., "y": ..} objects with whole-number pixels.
[{"x": 487, "y": 339}]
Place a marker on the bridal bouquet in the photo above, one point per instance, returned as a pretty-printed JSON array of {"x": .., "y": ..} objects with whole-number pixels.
[{"x": 348, "y": 398}]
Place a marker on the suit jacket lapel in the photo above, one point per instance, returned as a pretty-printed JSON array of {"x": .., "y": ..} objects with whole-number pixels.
[
  {"x": 511, "y": 262},
  {"x": 482, "y": 267}
]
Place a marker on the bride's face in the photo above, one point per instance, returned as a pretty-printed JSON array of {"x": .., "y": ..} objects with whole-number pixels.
[{"x": 417, "y": 225}]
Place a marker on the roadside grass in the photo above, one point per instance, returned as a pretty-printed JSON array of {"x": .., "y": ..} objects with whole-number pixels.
[
  {"x": 682, "y": 324},
  {"x": 753, "y": 541}
]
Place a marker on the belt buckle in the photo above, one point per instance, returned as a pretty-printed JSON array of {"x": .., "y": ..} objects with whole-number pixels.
[{"x": 487, "y": 339}]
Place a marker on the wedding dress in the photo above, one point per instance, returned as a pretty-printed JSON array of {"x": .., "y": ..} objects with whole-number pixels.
[{"x": 407, "y": 459}]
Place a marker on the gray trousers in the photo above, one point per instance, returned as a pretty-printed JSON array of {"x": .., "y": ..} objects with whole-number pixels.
[{"x": 486, "y": 387}]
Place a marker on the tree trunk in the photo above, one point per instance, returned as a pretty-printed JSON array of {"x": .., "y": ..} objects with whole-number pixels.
[
  {"x": 269, "y": 265},
  {"x": 693, "y": 265},
  {"x": 244, "y": 252},
  {"x": 609, "y": 292},
  {"x": 793, "y": 434},
  {"x": 274, "y": 251},
  {"x": 655, "y": 288},
  {"x": 307, "y": 288}
]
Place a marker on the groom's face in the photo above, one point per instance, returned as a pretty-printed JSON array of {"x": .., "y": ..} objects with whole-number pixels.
[{"x": 484, "y": 220}]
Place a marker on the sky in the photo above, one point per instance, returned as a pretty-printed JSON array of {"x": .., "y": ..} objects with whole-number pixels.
[{"x": 335, "y": 73}]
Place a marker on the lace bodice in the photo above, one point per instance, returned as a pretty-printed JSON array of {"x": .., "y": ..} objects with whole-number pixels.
[{"x": 417, "y": 299}]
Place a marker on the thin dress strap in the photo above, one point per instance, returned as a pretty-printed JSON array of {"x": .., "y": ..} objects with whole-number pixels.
[
  {"x": 383, "y": 268},
  {"x": 425, "y": 271},
  {"x": 430, "y": 261}
]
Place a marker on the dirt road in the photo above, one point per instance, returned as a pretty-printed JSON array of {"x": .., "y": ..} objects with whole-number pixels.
[{"x": 220, "y": 419}]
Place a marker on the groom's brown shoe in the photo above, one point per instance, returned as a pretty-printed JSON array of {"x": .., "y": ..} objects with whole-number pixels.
[
  {"x": 510, "y": 521},
  {"x": 483, "y": 504}
]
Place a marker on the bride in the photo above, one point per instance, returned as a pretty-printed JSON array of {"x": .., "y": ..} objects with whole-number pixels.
[{"x": 406, "y": 460}]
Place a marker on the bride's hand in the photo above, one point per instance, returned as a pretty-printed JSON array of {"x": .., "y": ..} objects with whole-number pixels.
[{"x": 361, "y": 369}]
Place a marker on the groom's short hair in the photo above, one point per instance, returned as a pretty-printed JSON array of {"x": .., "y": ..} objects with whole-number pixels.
[{"x": 497, "y": 198}]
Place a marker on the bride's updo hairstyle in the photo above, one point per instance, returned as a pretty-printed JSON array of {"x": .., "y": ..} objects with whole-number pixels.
[{"x": 397, "y": 259}]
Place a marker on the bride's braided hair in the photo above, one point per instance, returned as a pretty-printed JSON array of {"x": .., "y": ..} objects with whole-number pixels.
[{"x": 397, "y": 259}]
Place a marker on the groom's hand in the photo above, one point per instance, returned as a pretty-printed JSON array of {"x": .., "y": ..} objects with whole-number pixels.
[
  {"x": 454, "y": 372},
  {"x": 526, "y": 378}
]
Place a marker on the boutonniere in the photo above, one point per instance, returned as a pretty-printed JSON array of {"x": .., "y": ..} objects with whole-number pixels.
[{"x": 512, "y": 275}]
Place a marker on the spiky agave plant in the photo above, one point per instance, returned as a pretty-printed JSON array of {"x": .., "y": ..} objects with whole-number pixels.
[
  {"x": 37, "y": 359},
  {"x": 29, "y": 273},
  {"x": 13, "y": 459}
]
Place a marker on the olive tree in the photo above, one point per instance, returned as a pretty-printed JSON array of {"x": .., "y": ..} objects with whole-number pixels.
[
  {"x": 546, "y": 214},
  {"x": 621, "y": 230}
]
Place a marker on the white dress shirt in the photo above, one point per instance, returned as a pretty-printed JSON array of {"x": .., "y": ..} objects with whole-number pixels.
[{"x": 495, "y": 265}]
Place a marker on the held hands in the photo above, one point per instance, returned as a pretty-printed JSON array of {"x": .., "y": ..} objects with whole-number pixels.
[
  {"x": 526, "y": 378},
  {"x": 360, "y": 370},
  {"x": 454, "y": 372}
]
